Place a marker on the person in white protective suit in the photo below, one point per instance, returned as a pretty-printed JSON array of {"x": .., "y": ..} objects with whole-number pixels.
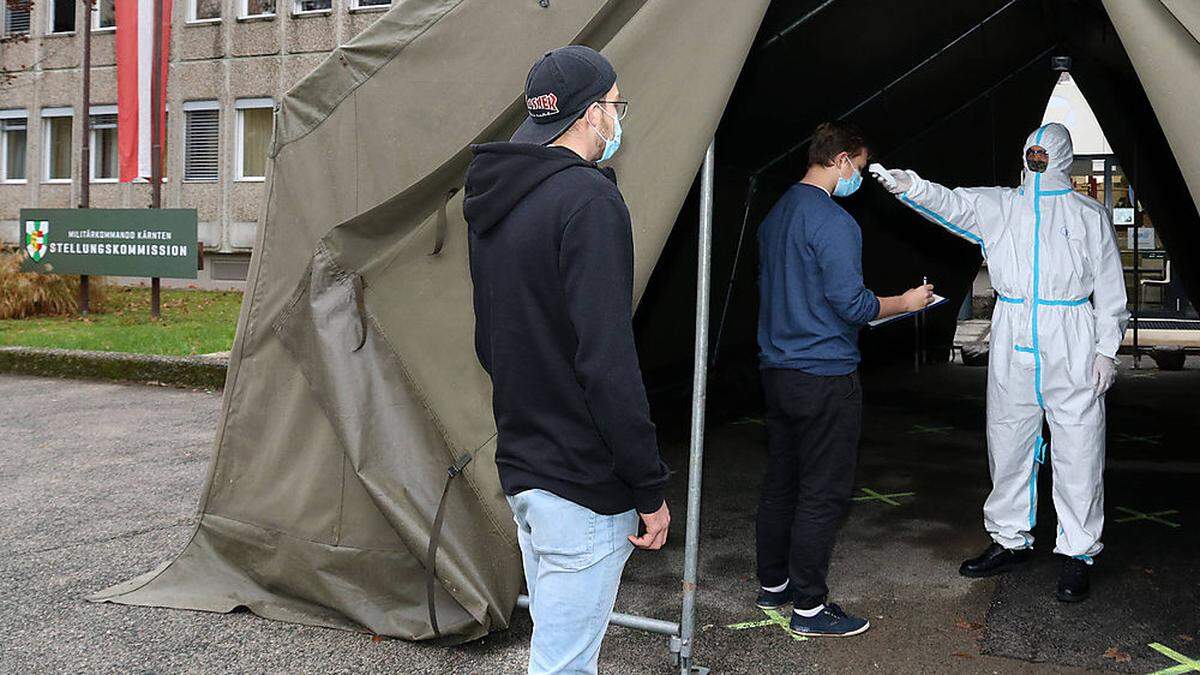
[{"x": 1058, "y": 321}]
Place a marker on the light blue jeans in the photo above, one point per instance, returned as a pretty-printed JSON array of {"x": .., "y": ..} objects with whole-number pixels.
[{"x": 573, "y": 560}]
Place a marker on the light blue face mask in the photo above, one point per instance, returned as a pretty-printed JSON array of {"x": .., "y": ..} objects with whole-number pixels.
[
  {"x": 848, "y": 186},
  {"x": 611, "y": 146}
]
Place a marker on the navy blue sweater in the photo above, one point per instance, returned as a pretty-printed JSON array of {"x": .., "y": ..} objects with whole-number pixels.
[
  {"x": 551, "y": 254},
  {"x": 812, "y": 301}
]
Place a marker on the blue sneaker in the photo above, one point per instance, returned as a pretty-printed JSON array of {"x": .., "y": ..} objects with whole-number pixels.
[
  {"x": 831, "y": 622},
  {"x": 773, "y": 599}
]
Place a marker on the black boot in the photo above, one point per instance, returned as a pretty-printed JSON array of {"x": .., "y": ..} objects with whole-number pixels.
[
  {"x": 1074, "y": 580},
  {"x": 995, "y": 560}
]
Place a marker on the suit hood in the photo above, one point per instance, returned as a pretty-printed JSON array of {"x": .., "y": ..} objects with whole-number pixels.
[{"x": 1046, "y": 158}]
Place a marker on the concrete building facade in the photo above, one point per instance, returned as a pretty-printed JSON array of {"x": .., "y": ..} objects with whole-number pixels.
[{"x": 230, "y": 62}]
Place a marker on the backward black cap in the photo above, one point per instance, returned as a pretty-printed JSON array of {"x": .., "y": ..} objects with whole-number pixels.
[{"x": 560, "y": 86}]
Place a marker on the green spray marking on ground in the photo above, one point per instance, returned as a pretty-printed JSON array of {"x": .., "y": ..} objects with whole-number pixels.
[
  {"x": 1153, "y": 517},
  {"x": 1186, "y": 664},
  {"x": 774, "y": 618},
  {"x": 870, "y": 495},
  {"x": 922, "y": 429},
  {"x": 751, "y": 624}
]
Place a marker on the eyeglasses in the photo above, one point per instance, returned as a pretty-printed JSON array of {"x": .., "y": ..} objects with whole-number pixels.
[{"x": 621, "y": 107}]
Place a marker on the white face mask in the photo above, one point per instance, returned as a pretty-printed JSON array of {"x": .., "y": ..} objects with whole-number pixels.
[
  {"x": 848, "y": 186},
  {"x": 610, "y": 144}
]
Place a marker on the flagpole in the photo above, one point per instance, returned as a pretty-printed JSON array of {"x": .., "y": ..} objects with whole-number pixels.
[
  {"x": 85, "y": 149},
  {"x": 156, "y": 94}
]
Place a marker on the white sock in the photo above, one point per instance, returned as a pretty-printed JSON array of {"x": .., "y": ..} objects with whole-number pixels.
[
  {"x": 809, "y": 613},
  {"x": 776, "y": 589}
]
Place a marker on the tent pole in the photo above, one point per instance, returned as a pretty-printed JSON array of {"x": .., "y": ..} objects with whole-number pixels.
[
  {"x": 691, "y": 551},
  {"x": 794, "y": 25},
  {"x": 669, "y": 628}
]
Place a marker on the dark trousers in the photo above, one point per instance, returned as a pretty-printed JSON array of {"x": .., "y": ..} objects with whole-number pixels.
[{"x": 813, "y": 427}]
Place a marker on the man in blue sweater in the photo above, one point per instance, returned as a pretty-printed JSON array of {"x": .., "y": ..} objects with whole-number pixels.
[{"x": 812, "y": 305}]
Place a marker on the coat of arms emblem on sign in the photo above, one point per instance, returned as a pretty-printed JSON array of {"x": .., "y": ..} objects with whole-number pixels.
[{"x": 35, "y": 239}]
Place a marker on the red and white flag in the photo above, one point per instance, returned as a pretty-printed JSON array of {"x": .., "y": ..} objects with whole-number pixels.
[{"x": 135, "y": 58}]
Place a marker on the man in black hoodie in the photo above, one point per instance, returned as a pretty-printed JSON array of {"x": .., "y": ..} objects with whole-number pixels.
[{"x": 551, "y": 251}]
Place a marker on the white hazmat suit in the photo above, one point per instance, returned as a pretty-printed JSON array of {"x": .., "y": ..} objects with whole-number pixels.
[{"x": 1060, "y": 316}]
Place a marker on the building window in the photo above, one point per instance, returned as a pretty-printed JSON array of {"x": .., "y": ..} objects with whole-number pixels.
[
  {"x": 255, "y": 117},
  {"x": 16, "y": 17},
  {"x": 201, "y": 160},
  {"x": 62, "y": 16},
  {"x": 13, "y": 145},
  {"x": 103, "y": 144},
  {"x": 57, "y": 144},
  {"x": 312, "y": 7},
  {"x": 255, "y": 8},
  {"x": 104, "y": 15},
  {"x": 368, "y": 4},
  {"x": 204, "y": 10}
]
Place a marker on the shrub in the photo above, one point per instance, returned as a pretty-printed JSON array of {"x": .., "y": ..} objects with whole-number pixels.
[{"x": 26, "y": 294}]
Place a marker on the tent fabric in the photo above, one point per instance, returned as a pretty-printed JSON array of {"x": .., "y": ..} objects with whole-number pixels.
[
  {"x": 353, "y": 383},
  {"x": 1162, "y": 38}
]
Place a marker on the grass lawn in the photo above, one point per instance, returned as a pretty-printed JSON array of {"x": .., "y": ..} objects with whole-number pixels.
[{"x": 193, "y": 322}]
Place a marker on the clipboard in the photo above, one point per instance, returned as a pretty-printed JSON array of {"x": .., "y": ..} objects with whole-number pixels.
[{"x": 937, "y": 300}]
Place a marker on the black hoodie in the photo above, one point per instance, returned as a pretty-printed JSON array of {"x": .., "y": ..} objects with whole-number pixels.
[{"x": 551, "y": 251}]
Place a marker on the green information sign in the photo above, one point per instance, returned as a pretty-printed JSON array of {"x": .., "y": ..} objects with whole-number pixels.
[{"x": 110, "y": 242}]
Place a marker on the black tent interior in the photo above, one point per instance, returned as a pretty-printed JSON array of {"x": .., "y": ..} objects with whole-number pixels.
[{"x": 947, "y": 89}]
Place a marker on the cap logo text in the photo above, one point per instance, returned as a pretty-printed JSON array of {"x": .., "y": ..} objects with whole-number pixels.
[{"x": 542, "y": 106}]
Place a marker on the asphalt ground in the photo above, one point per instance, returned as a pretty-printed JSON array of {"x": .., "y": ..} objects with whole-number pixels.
[{"x": 99, "y": 482}]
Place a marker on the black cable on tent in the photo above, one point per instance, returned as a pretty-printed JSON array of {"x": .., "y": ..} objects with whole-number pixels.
[
  {"x": 911, "y": 71},
  {"x": 985, "y": 93},
  {"x": 751, "y": 188}
]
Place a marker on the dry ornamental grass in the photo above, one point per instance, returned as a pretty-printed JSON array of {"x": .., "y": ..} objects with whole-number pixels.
[{"x": 27, "y": 294}]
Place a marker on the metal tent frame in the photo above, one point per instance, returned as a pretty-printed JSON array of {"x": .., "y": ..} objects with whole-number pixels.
[{"x": 683, "y": 634}]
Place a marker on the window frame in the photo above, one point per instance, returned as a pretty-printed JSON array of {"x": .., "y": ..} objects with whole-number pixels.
[
  {"x": 47, "y": 146},
  {"x": 296, "y": 11},
  {"x": 245, "y": 15},
  {"x": 95, "y": 19},
  {"x": 97, "y": 111},
  {"x": 5, "y": 115},
  {"x": 192, "y": 18},
  {"x": 201, "y": 106},
  {"x": 241, "y": 105},
  {"x": 8, "y": 12},
  {"x": 51, "y": 4},
  {"x": 357, "y": 6}
]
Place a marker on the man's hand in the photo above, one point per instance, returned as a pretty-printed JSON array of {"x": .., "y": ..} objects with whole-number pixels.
[
  {"x": 1104, "y": 373},
  {"x": 916, "y": 299},
  {"x": 657, "y": 524}
]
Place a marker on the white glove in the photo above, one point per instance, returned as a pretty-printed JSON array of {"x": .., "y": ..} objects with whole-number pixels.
[
  {"x": 894, "y": 181},
  {"x": 1104, "y": 373}
]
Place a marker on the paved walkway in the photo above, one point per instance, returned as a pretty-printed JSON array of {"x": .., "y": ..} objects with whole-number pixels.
[{"x": 98, "y": 482}]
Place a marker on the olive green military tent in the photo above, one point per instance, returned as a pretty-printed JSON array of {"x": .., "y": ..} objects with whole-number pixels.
[
  {"x": 353, "y": 383},
  {"x": 354, "y": 398}
]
